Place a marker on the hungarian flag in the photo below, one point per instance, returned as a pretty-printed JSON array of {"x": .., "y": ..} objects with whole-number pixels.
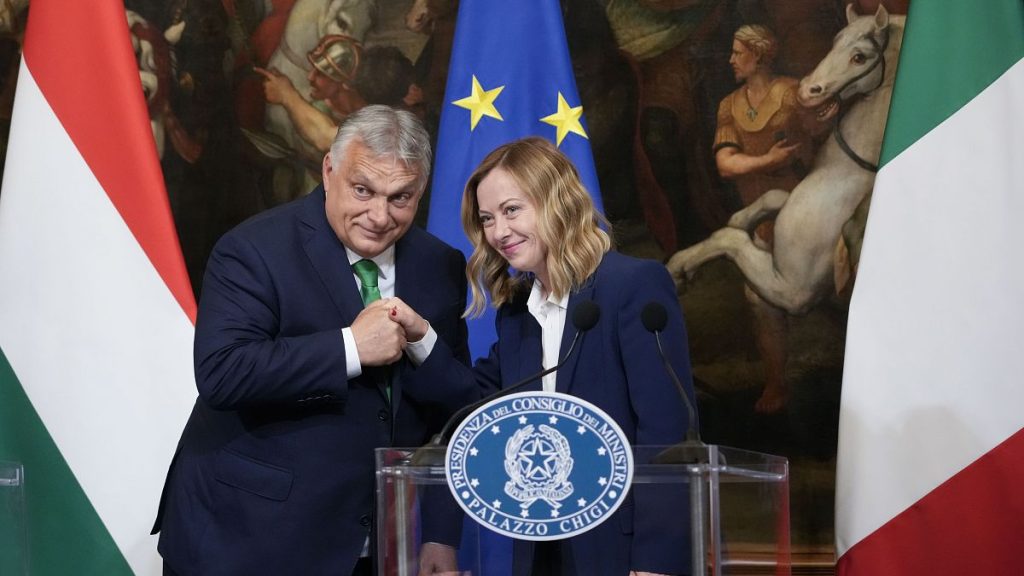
[
  {"x": 930, "y": 476},
  {"x": 96, "y": 311}
]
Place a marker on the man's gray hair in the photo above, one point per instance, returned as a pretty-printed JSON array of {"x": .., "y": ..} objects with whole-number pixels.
[{"x": 387, "y": 132}]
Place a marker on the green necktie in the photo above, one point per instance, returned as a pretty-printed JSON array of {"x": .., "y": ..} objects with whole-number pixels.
[{"x": 366, "y": 271}]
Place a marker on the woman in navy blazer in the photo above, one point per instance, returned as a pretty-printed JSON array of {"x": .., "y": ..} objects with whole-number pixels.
[{"x": 539, "y": 249}]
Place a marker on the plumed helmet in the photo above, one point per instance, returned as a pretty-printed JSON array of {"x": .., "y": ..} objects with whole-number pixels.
[{"x": 337, "y": 57}]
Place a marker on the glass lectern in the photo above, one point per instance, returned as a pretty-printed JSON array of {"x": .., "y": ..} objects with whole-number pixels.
[{"x": 738, "y": 513}]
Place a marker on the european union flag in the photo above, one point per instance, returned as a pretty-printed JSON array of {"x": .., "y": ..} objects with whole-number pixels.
[{"x": 510, "y": 77}]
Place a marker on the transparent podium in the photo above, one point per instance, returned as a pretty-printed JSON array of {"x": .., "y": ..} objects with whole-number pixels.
[
  {"x": 738, "y": 514},
  {"x": 13, "y": 534}
]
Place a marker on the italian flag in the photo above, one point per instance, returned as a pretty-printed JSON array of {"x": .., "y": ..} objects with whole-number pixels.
[
  {"x": 930, "y": 475},
  {"x": 96, "y": 311}
]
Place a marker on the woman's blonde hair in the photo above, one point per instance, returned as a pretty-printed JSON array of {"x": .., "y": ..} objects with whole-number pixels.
[
  {"x": 568, "y": 224},
  {"x": 760, "y": 40}
]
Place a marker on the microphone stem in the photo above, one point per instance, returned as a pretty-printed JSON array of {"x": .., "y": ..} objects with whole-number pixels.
[
  {"x": 442, "y": 437},
  {"x": 692, "y": 433}
]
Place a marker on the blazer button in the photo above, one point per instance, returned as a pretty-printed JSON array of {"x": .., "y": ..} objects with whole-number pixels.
[
  {"x": 383, "y": 415},
  {"x": 364, "y": 520}
]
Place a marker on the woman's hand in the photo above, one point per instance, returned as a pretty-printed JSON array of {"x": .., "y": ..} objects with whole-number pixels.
[{"x": 414, "y": 325}]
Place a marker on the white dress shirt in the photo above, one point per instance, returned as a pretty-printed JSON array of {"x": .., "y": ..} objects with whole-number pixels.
[{"x": 550, "y": 313}]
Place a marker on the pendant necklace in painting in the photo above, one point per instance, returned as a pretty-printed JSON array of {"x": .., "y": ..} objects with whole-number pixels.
[{"x": 751, "y": 112}]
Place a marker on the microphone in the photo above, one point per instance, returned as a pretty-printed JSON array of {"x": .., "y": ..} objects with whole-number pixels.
[
  {"x": 691, "y": 450},
  {"x": 584, "y": 317}
]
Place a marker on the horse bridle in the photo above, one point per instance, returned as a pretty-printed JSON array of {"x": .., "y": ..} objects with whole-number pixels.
[{"x": 836, "y": 130}]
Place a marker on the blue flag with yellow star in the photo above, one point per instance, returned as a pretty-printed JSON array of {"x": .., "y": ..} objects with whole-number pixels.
[{"x": 510, "y": 77}]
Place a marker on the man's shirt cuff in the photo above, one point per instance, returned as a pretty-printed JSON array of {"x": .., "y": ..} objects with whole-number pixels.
[{"x": 352, "y": 365}]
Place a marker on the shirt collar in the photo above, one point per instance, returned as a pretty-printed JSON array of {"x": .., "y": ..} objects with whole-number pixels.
[
  {"x": 385, "y": 261},
  {"x": 538, "y": 302}
]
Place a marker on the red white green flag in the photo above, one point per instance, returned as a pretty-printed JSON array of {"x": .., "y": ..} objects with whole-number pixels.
[
  {"x": 96, "y": 311},
  {"x": 930, "y": 475}
]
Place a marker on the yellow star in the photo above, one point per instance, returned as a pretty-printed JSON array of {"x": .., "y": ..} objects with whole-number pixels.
[
  {"x": 566, "y": 120},
  {"x": 480, "y": 103}
]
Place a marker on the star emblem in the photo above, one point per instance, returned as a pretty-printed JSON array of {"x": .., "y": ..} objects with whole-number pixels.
[
  {"x": 581, "y": 502},
  {"x": 581, "y": 429},
  {"x": 474, "y": 483},
  {"x": 473, "y": 451},
  {"x": 566, "y": 119},
  {"x": 602, "y": 480},
  {"x": 496, "y": 504},
  {"x": 495, "y": 429},
  {"x": 601, "y": 451},
  {"x": 480, "y": 103},
  {"x": 537, "y": 460},
  {"x": 522, "y": 419},
  {"x": 553, "y": 420}
]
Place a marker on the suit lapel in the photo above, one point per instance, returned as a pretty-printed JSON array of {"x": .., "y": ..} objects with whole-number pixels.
[
  {"x": 531, "y": 352},
  {"x": 565, "y": 373},
  {"x": 409, "y": 278},
  {"x": 327, "y": 255}
]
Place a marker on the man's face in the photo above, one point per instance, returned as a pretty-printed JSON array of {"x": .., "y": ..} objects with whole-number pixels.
[
  {"x": 371, "y": 200},
  {"x": 321, "y": 87}
]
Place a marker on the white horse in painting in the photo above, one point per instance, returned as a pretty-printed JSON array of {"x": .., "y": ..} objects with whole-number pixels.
[
  {"x": 853, "y": 83},
  {"x": 308, "y": 22}
]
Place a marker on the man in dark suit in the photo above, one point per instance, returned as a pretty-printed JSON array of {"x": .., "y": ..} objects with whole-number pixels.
[{"x": 301, "y": 374}]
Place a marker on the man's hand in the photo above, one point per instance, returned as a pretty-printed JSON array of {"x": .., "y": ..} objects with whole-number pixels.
[
  {"x": 276, "y": 86},
  {"x": 414, "y": 325},
  {"x": 438, "y": 559},
  {"x": 379, "y": 340}
]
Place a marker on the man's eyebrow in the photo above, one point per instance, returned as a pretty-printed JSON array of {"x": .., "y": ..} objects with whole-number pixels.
[{"x": 358, "y": 175}]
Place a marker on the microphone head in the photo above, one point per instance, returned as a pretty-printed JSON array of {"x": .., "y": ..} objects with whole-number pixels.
[
  {"x": 585, "y": 315},
  {"x": 654, "y": 317}
]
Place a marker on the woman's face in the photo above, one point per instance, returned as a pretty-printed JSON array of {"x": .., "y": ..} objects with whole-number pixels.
[
  {"x": 509, "y": 220},
  {"x": 743, "y": 61}
]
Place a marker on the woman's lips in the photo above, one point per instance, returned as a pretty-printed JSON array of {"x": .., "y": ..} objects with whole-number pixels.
[{"x": 511, "y": 249}]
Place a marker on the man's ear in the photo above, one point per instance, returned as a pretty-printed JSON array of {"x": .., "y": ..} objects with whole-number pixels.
[{"x": 326, "y": 169}]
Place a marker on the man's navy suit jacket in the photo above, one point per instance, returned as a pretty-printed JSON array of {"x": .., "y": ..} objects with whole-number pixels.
[
  {"x": 274, "y": 473},
  {"x": 617, "y": 368}
]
